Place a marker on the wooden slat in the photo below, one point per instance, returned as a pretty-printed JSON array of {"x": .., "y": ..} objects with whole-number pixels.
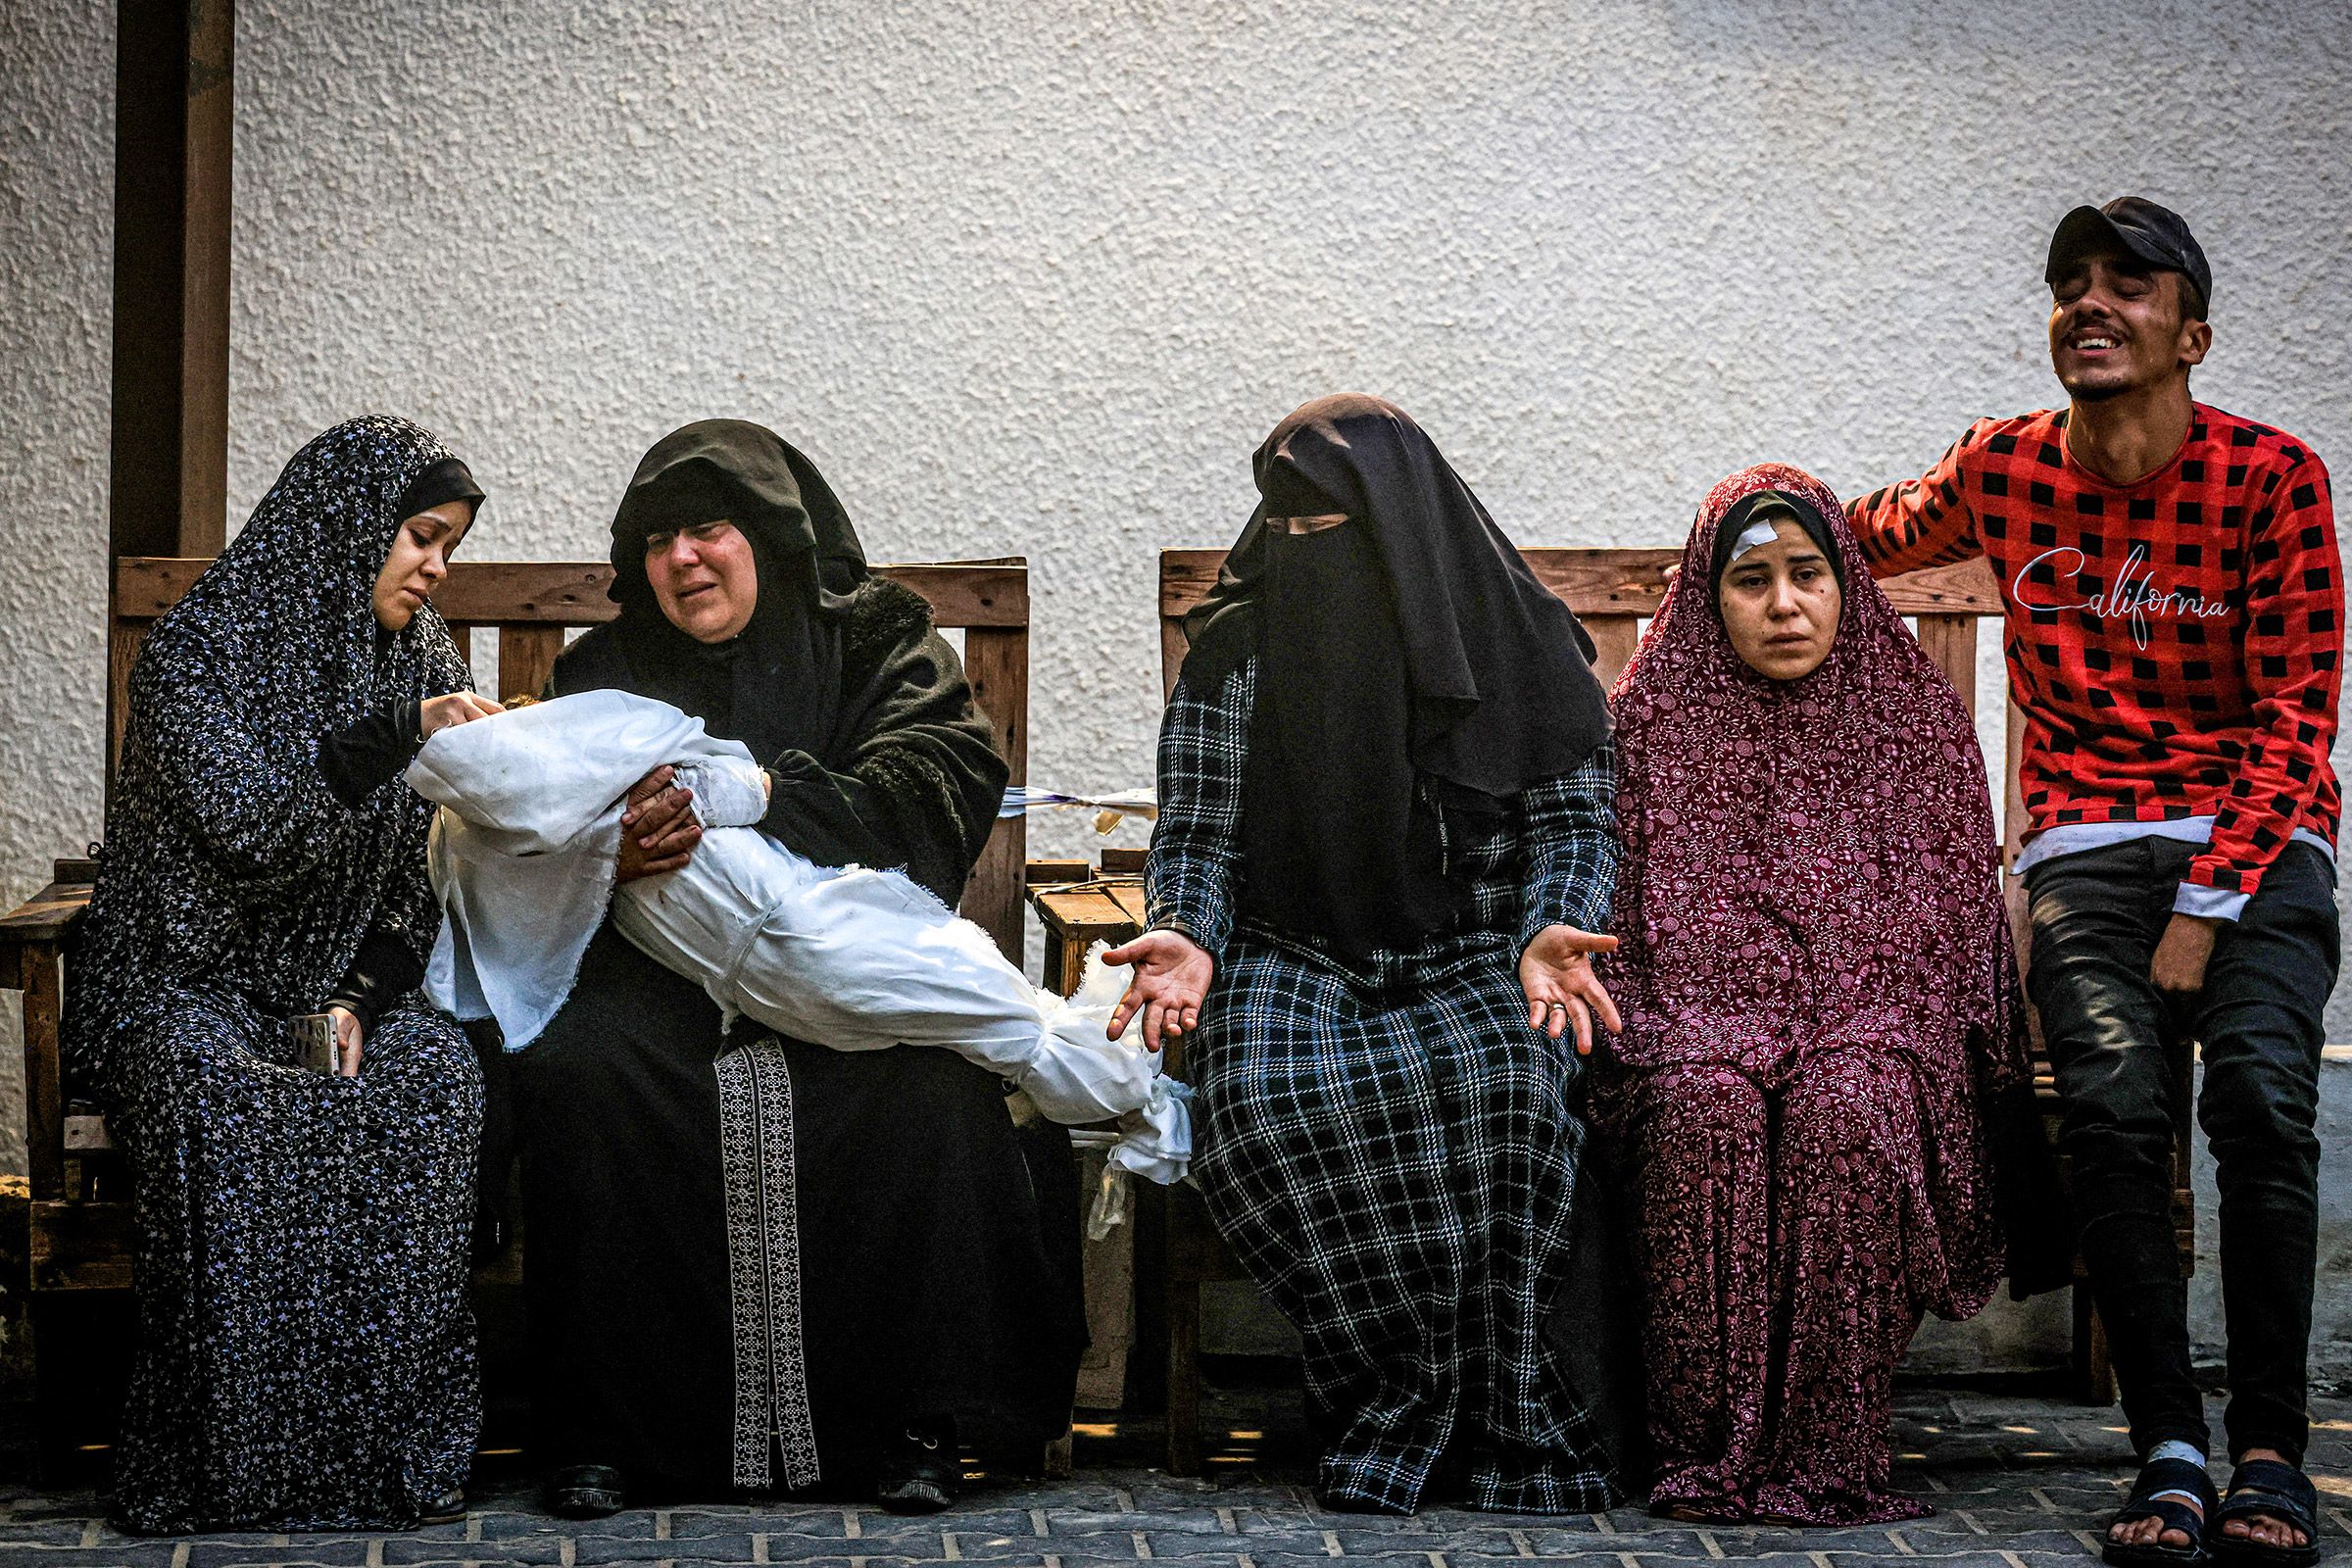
[
  {"x": 1123, "y": 860},
  {"x": 80, "y": 1246},
  {"x": 1087, "y": 915},
  {"x": 2014, "y": 819},
  {"x": 1052, "y": 873},
  {"x": 1602, "y": 582},
  {"x": 564, "y": 593},
  {"x": 72, "y": 870},
  {"x": 1173, "y": 646},
  {"x": 996, "y": 660},
  {"x": 1951, "y": 642},
  {"x": 44, "y": 1098},
  {"x": 993, "y": 594},
  {"x": 462, "y": 635},
  {"x": 526, "y": 656},
  {"x": 123, "y": 642},
  {"x": 1614, "y": 639},
  {"x": 47, "y": 915}
]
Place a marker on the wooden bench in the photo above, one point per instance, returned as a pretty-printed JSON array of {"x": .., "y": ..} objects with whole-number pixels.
[
  {"x": 69, "y": 1232},
  {"x": 1613, "y": 592}
]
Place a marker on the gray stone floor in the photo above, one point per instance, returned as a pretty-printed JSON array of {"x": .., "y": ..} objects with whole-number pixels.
[{"x": 2017, "y": 1482}]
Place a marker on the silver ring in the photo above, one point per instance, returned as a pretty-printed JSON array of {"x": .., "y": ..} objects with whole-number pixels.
[{"x": 1558, "y": 1007}]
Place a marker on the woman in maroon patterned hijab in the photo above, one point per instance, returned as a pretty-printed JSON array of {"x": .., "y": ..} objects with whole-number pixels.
[{"x": 1818, "y": 990}]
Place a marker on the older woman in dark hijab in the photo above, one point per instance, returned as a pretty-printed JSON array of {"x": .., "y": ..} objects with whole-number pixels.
[
  {"x": 1384, "y": 843},
  {"x": 754, "y": 1262},
  {"x": 306, "y": 1354},
  {"x": 1824, "y": 1041}
]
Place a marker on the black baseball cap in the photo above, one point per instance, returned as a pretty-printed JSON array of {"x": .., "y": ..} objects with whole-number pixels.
[{"x": 2157, "y": 236}]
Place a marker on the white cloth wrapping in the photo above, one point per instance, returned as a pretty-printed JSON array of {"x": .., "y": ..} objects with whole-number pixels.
[{"x": 522, "y": 856}]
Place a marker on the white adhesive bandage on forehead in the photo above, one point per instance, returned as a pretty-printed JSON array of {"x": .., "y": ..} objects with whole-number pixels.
[{"x": 1760, "y": 531}]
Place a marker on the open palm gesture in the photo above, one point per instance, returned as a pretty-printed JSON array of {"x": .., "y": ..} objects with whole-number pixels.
[{"x": 1562, "y": 991}]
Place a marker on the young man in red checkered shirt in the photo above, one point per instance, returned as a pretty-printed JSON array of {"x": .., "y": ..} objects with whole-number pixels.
[{"x": 2174, "y": 610}]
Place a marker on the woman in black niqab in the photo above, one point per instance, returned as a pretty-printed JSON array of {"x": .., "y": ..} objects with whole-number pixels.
[
  {"x": 1384, "y": 839},
  {"x": 306, "y": 1354},
  {"x": 1411, "y": 643},
  {"x": 760, "y": 1263}
]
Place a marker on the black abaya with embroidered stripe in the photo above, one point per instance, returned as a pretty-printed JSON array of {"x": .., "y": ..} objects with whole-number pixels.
[
  {"x": 753, "y": 1260},
  {"x": 306, "y": 1356}
]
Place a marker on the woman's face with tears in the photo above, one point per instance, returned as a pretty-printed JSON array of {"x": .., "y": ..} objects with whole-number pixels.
[{"x": 705, "y": 579}]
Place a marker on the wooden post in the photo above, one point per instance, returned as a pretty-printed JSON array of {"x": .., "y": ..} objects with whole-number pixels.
[
  {"x": 175, "y": 118},
  {"x": 44, "y": 1093},
  {"x": 174, "y": 111},
  {"x": 996, "y": 660}
]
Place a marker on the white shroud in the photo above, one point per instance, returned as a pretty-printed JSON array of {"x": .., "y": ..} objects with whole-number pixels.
[{"x": 522, "y": 856}]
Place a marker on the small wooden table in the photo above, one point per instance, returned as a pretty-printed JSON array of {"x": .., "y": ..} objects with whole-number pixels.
[
  {"x": 1080, "y": 906},
  {"x": 1176, "y": 1247}
]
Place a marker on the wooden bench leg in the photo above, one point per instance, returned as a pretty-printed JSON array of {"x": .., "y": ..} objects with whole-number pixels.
[
  {"x": 1184, "y": 1378},
  {"x": 2094, "y": 1368}
]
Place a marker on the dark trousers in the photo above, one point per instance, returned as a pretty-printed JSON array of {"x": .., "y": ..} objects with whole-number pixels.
[{"x": 2097, "y": 916}]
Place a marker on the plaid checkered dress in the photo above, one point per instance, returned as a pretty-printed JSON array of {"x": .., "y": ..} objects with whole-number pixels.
[{"x": 1388, "y": 1146}]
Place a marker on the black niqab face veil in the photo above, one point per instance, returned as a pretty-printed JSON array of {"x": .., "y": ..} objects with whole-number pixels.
[
  {"x": 776, "y": 686},
  {"x": 1410, "y": 641}
]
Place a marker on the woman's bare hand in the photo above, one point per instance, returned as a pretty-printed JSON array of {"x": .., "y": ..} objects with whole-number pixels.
[
  {"x": 1171, "y": 975},
  {"x": 438, "y": 714},
  {"x": 1562, "y": 991},
  {"x": 659, "y": 829}
]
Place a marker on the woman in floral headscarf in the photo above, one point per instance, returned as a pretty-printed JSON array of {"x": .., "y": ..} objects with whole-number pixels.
[
  {"x": 306, "y": 1356},
  {"x": 1819, "y": 1002}
]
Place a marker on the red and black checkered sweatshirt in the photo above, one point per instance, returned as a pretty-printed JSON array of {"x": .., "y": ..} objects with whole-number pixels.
[{"x": 2174, "y": 642}]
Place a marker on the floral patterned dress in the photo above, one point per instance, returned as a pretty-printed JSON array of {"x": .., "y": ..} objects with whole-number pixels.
[
  {"x": 1818, "y": 996},
  {"x": 306, "y": 1354}
]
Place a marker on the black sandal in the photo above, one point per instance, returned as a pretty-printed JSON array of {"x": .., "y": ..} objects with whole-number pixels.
[
  {"x": 919, "y": 1470},
  {"x": 2159, "y": 1476},
  {"x": 584, "y": 1491},
  {"x": 2281, "y": 1491}
]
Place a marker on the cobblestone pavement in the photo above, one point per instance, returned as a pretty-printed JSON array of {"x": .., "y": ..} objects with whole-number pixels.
[{"x": 2017, "y": 1482}]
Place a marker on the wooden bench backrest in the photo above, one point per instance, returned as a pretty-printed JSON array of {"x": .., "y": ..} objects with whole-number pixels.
[
  {"x": 532, "y": 604},
  {"x": 1614, "y": 591}
]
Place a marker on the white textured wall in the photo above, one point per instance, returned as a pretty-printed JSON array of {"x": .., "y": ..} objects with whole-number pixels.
[
  {"x": 57, "y": 146},
  {"x": 1035, "y": 278}
]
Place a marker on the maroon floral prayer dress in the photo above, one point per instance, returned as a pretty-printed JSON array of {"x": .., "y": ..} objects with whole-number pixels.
[{"x": 1817, "y": 985}]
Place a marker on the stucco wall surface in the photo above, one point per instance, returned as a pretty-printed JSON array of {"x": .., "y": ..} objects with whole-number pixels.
[
  {"x": 57, "y": 146},
  {"x": 1036, "y": 278}
]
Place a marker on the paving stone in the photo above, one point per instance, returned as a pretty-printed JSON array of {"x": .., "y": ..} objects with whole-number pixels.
[
  {"x": 600, "y": 1549},
  {"x": 530, "y": 1551},
  {"x": 1359, "y": 1541},
  {"x": 2005, "y": 1499},
  {"x": 831, "y": 1523},
  {"x": 338, "y": 1552},
  {"x": 922, "y": 1545},
  {"x": 635, "y": 1523}
]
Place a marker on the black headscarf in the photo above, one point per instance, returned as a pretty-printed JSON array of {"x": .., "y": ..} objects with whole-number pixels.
[
  {"x": 1772, "y": 503},
  {"x": 442, "y": 480},
  {"x": 1410, "y": 641},
  {"x": 775, "y": 686}
]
